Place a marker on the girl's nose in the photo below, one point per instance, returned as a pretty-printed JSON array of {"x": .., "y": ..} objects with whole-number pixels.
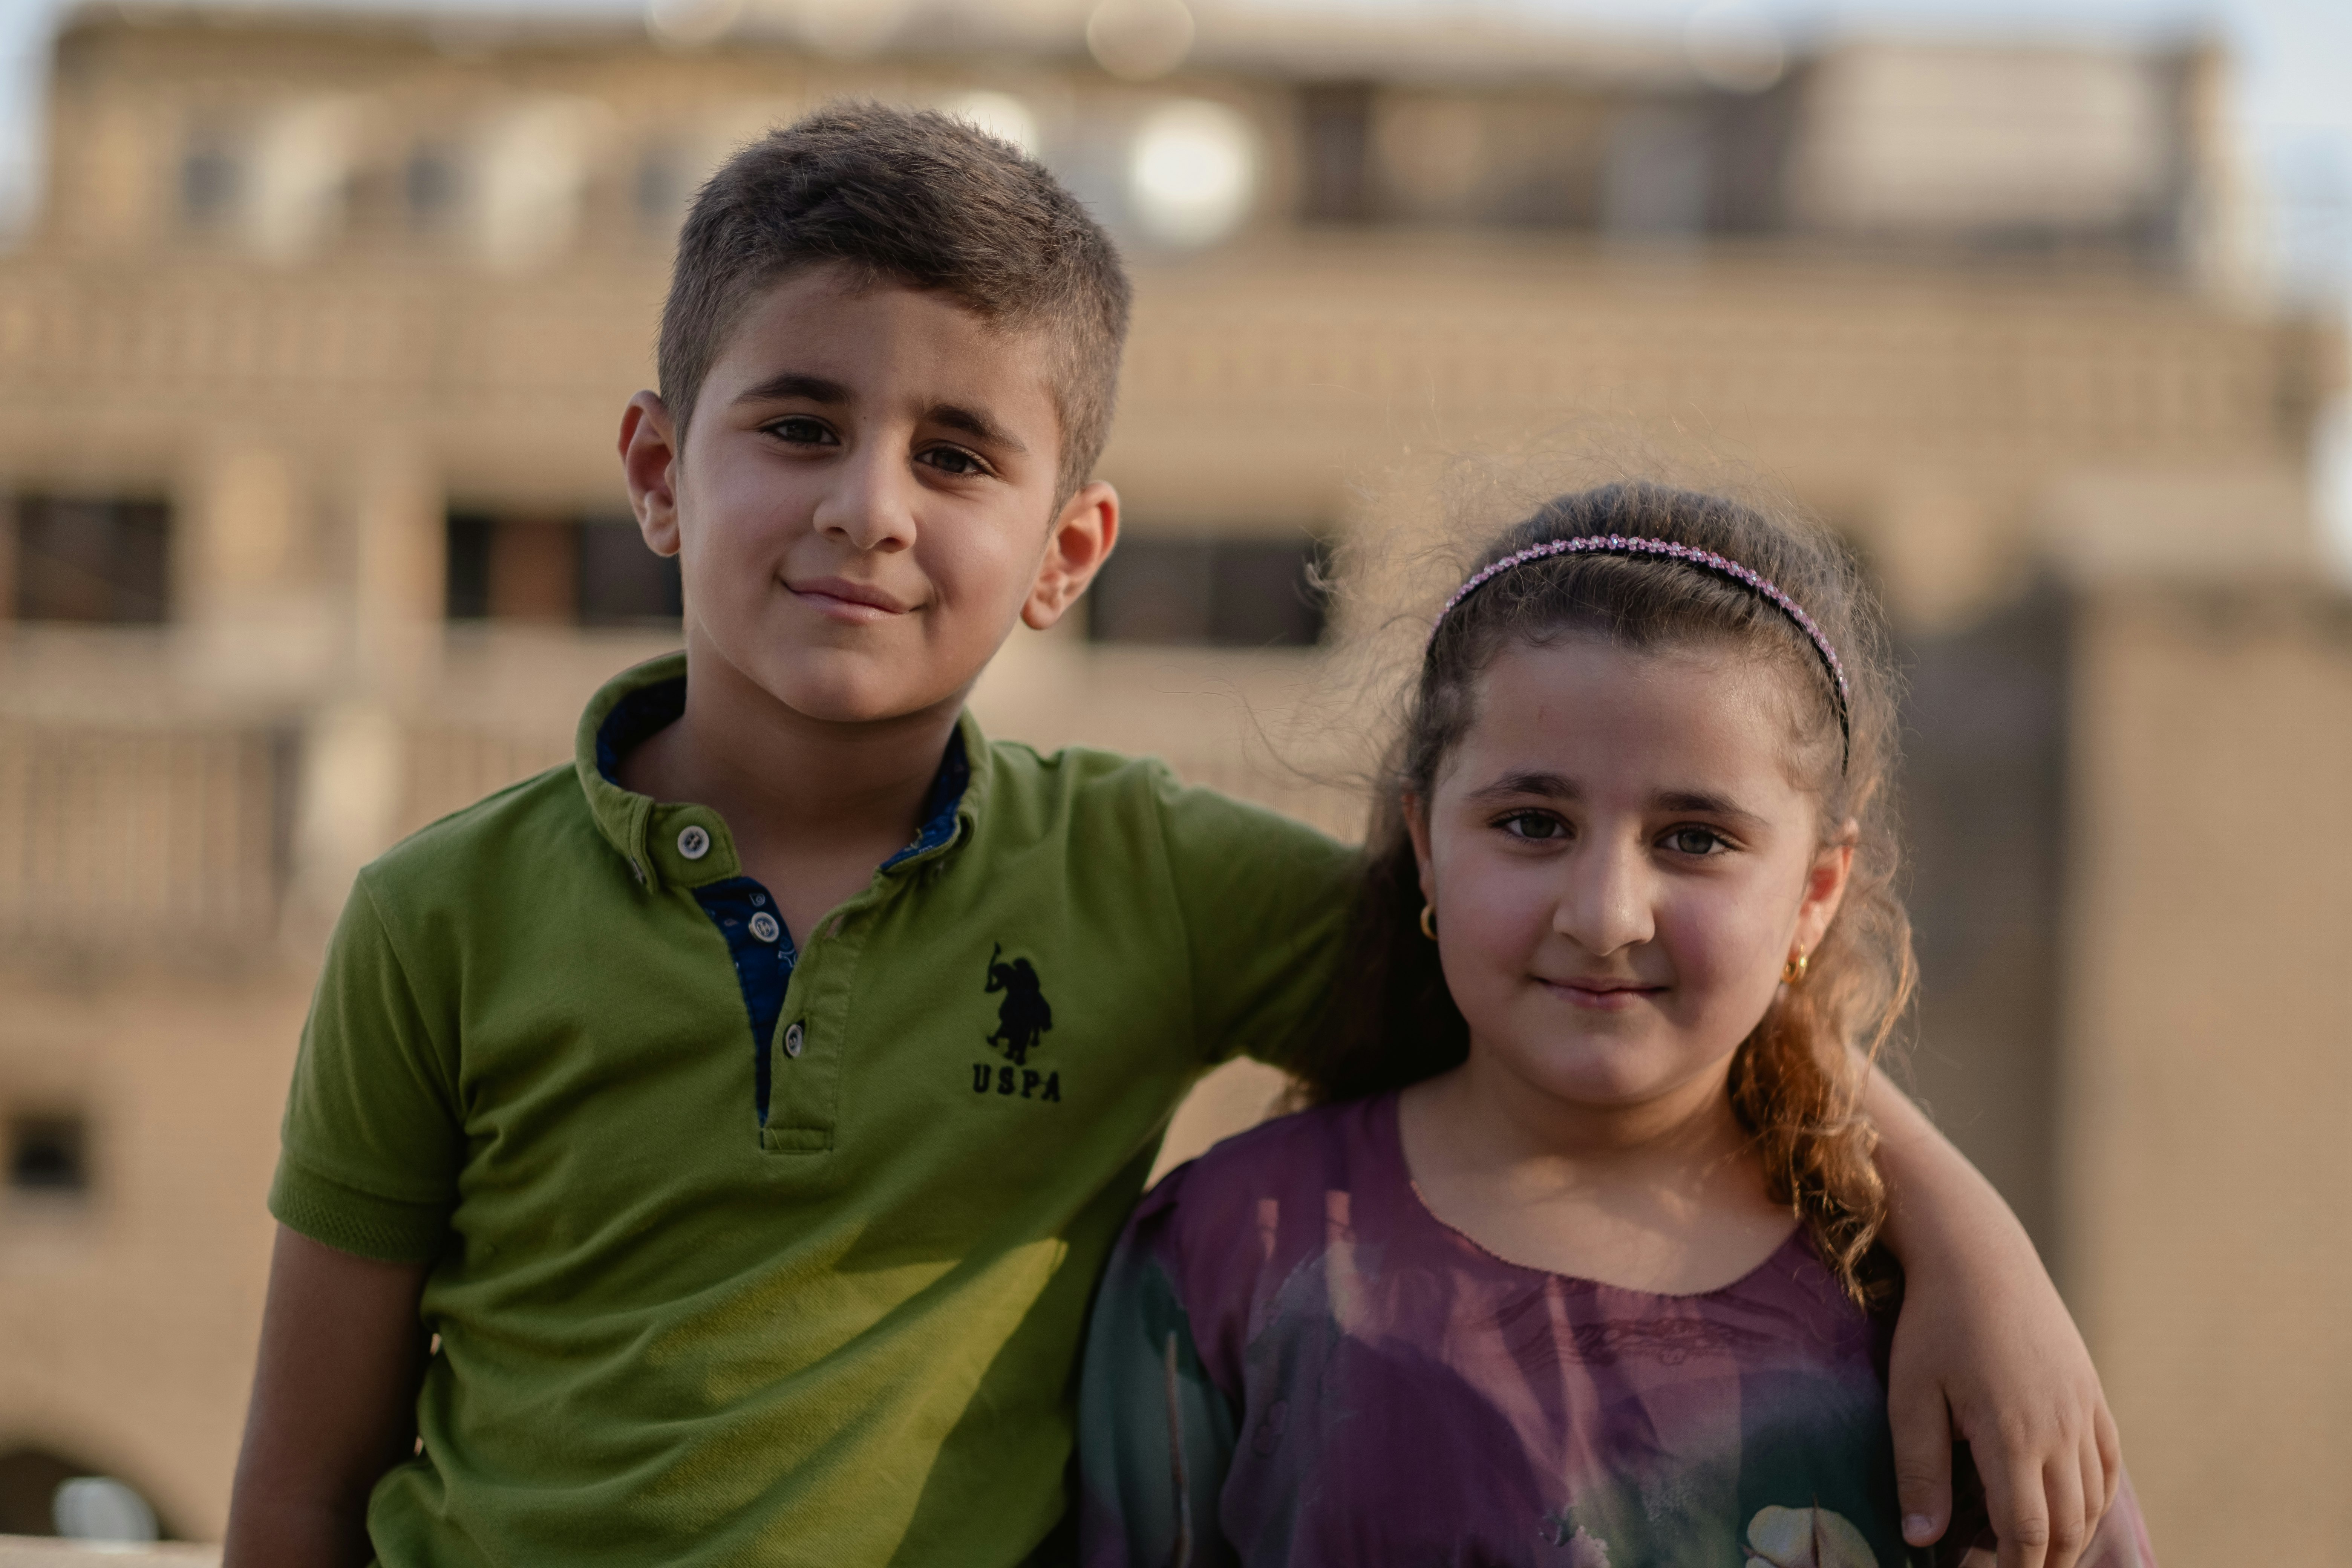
[
  {"x": 1604, "y": 902},
  {"x": 870, "y": 505}
]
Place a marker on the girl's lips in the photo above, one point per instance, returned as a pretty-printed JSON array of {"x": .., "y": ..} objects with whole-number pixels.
[{"x": 1602, "y": 996}]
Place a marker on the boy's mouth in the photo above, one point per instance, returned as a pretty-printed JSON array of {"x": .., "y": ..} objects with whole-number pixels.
[{"x": 837, "y": 598}]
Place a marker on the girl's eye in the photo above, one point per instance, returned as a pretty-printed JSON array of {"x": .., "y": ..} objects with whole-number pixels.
[
  {"x": 801, "y": 431},
  {"x": 953, "y": 460},
  {"x": 1537, "y": 826},
  {"x": 1695, "y": 841}
]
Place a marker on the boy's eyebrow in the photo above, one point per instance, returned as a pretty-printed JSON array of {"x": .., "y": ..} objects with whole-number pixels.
[
  {"x": 793, "y": 384},
  {"x": 797, "y": 385},
  {"x": 1705, "y": 805},
  {"x": 975, "y": 424}
]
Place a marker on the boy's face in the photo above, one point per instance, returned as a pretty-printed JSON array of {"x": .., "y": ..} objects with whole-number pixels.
[{"x": 866, "y": 502}]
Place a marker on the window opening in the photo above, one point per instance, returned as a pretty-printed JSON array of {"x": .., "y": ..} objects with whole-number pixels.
[
  {"x": 84, "y": 560},
  {"x": 1339, "y": 128},
  {"x": 592, "y": 571},
  {"x": 1215, "y": 592},
  {"x": 48, "y": 1154},
  {"x": 211, "y": 182},
  {"x": 433, "y": 186}
]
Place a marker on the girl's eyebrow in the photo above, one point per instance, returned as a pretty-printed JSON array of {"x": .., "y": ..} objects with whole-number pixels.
[
  {"x": 1553, "y": 785},
  {"x": 1557, "y": 787}
]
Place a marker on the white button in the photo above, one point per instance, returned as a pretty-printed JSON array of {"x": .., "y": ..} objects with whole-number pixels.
[
  {"x": 693, "y": 842},
  {"x": 792, "y": 1038},
  {"x": 764, "y": 927}
]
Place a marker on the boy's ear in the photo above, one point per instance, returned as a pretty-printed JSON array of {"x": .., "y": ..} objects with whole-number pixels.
[
  {"x": 649, "y": 464},
  {"x": 1083, "y": 533}
]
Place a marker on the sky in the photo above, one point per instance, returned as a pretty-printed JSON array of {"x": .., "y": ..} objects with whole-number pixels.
[{"x": 2292, "y": 107}]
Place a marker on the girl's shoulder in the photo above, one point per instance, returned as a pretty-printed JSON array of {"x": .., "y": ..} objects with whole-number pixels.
[
  {"x": 1266, "y": 1197},
  {"x": 1323, "y": 1148}
]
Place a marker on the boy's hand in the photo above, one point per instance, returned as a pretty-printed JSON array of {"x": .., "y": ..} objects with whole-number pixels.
[
  {"x": 1985, "y": 1352},
  {"x": 1991, "y": 1356}
]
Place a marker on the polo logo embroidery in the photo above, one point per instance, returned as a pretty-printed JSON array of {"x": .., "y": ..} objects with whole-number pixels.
[
  {"x": 1023, "y": 1015},
  {"x": 1023, "y": 1019}
]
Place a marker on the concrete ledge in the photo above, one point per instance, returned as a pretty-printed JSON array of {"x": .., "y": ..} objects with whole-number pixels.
[{"x": 49, "y": 1552}]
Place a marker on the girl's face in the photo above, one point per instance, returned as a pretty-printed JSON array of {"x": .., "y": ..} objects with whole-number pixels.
[{"x": 1620, "y": 861}]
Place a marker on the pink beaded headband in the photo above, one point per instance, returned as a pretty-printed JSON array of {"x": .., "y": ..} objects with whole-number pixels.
[{"x": 1635, "y": 544}]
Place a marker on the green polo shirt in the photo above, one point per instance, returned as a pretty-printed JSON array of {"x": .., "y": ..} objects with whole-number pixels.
[{"x": 678, "y": 1327}]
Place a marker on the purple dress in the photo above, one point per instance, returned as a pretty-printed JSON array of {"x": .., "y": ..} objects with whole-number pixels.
[{"x": 1347, "y": 1380}]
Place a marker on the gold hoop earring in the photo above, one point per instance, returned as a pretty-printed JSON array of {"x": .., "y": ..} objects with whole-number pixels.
[
  {"x": 1429, "y": 922},
  {"x": 1793, "y": 971}
]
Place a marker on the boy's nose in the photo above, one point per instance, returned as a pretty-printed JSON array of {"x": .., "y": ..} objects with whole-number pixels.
[
  {"x": 869, "y": 506},
  {"x": 1604, "y": 902}
]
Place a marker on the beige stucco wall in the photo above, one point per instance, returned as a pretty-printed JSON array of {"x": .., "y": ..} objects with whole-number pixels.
[
  {"x": 130, "y": 1316},
  {"x": 2207, "y": 1170}
]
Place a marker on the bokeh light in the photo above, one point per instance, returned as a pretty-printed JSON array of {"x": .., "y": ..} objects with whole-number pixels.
[{"x": 1193, "y": 173}]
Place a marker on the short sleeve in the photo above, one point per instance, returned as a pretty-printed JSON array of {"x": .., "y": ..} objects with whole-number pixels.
[
  {"x": 1156, "y": 1433},
  {"x": 1265, "y": 902},
  {"x": 371, "y": 1139}
]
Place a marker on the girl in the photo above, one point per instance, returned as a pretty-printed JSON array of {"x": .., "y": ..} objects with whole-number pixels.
[{"x": 1575, "y": 1263}]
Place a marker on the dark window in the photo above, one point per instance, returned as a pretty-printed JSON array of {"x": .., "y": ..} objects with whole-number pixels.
[
  {"x": 46, "y": 1154},
  {"x": 104, "y": 561},
  {"x": 210, "y": 183},
  {"x": 1337, "y": 132},
  {"x": 592, "y": 571},
  {"x": 1217, "y": 592},
  {"x": 433, "y": 187},
  {"x": 621, "y": 582},
  {"x": 470, "y": 565},
  {"x": 1659, "y": 177}
]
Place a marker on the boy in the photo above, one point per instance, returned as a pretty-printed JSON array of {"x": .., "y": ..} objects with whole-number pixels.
[{"x": 811, "y": 1290}]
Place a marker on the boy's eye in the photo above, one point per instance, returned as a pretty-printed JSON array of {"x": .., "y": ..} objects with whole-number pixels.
[
  {"x": 801, "y": 431},
  {"x": 953, "y": 460},
  {"x": 1537, "y": 827},
  {"x": 1695, "y": 841}
]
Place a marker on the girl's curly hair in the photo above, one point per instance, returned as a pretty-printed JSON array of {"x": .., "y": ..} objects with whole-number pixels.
[{"x": 1797, "y": 1080}]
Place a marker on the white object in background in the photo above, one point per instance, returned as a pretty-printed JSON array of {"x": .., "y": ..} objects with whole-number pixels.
[
  {"x": 1140, "y": 39},
  {"x": 689, "y": 23},
  {"x": 845, "y": 29},
  {"x": 1000, "y": 114},
  {"x": 301, "y": 165},
  {"x": 2332, "y": 484},
  {"x": 100, "y": 1508},
  {"x": 1193, "y": 172},
  {"x": 532, "y": 173}
]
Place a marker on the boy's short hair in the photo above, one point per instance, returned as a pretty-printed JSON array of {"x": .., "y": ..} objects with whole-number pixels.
[{"x": 917, "y": 199}]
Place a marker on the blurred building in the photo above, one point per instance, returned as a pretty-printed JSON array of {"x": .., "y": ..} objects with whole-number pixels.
[{"x": 313, "y": 532}]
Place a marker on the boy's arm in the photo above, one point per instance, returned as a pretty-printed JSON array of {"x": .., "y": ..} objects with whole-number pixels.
[
  {"x": 1265, "y": 900},
  {"x": 1985, "y": 1352},
  {"x": 334, "y": 1406}
]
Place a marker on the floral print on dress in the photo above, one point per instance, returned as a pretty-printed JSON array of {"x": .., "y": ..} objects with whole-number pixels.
[{"x": 1293, "y": 1362}]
